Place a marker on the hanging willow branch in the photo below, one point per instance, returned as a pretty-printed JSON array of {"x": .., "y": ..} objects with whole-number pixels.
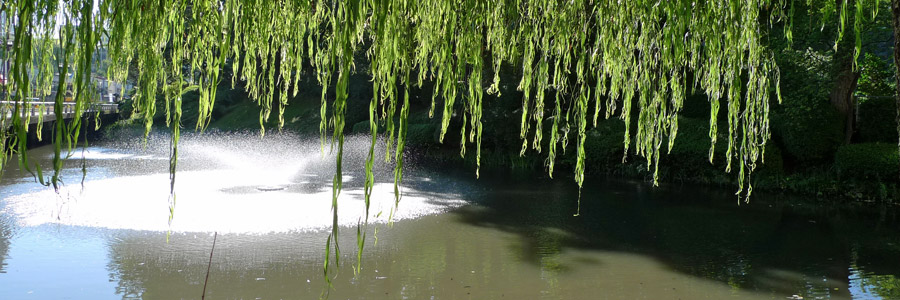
[{"x": 634, "y": 60}]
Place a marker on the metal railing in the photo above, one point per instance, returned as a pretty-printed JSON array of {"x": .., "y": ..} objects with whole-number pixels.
[{"x": 36, "y": 108}]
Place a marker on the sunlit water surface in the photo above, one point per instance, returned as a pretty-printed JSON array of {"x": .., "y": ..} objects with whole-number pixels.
[{"x": 453, "y": 237}]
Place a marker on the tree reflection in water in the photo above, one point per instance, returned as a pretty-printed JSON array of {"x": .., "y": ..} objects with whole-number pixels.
[{"x": 6, "y": 232}]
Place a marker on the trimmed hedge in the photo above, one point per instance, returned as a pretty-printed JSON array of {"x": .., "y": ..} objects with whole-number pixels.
[
  {"x": 603, "y": 147},
  {"x": 869, "y": 160},
  {"x": 876, "y": 121},
  {"x": 421, "y": 134},
  {"x": 809, "y": 129}
]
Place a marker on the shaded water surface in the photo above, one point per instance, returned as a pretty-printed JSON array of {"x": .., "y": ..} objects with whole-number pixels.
[{"x": 453, "y": 237}]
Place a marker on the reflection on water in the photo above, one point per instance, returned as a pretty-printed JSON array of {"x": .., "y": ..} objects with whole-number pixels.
[
  {"x": 5, "y": 236},
  {"x": 455, "y": 238},
  {"x": 779, "y": 246},
  {"x": 874, "y": 286}
]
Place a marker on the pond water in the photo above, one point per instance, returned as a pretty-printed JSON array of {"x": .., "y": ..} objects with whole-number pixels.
[{"x": 267, "y": 202}]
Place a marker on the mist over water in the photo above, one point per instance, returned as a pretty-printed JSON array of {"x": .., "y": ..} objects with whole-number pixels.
[{"x": 230, "y": 183}]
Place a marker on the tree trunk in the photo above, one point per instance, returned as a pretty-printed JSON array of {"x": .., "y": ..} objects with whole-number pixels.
[
  {"x": 895, "y": 10},
  {"x": 842, "y": 94},
  {"x": 846, "y": 79}
]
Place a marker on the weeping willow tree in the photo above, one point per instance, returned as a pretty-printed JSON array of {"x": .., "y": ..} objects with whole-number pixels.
[{"x": 580, "y": 60}]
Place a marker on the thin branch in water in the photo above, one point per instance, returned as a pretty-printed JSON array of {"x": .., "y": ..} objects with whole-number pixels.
[{"x": 208, "y": 266}]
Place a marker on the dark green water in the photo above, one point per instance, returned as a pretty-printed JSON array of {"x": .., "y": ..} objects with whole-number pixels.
[{"x": 499, "y": 237}]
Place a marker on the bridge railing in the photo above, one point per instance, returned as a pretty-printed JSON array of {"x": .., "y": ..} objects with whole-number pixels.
[{"x": 35, "y": 108}]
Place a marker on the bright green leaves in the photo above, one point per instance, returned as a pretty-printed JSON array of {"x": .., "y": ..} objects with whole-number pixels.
[{"x": 49, "y": 38}]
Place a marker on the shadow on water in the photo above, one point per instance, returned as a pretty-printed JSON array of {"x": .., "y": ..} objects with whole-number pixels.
[{"x": 773, "y": 244}]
